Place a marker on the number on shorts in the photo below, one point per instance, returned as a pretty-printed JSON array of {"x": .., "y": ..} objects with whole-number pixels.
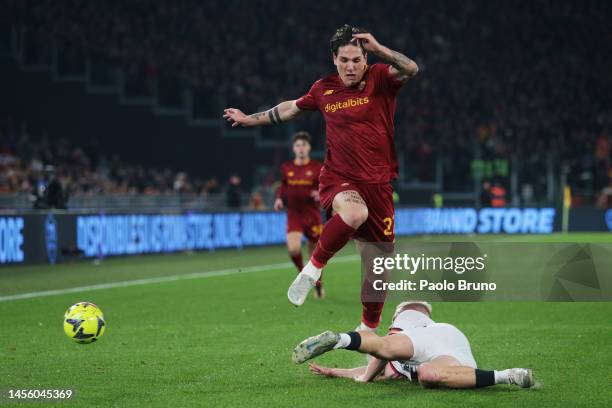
[{"x": 389, "y": 226}]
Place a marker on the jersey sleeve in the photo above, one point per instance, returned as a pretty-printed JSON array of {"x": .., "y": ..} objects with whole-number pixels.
[
  {"x": 386, "y": 79},
  {"x": 309, "y": 101}
]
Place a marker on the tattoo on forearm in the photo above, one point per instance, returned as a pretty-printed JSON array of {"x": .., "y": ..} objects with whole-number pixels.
[
  {"x": 278, "y": 119},
  {"x": 274, "y": 116},
  {"x": 402, "y": 63},
  {"x": 257, "y": 115}
]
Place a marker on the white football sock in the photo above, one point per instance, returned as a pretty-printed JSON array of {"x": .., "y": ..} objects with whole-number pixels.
[
  {"x": 501, "y": 377},
  {"x": 344, "y": 341},
  {"x": 311, "y": 271}
]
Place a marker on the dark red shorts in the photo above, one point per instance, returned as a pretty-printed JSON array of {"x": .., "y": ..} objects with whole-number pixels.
[
  {"x": 308, "y": 223},
  {"x": 378, "y": 198}
]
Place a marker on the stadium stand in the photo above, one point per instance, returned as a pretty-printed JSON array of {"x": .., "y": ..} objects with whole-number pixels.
[{"x": 517, "y": 94}]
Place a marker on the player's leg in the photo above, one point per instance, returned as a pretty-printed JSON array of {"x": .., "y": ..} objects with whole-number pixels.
[
  {"x": 372, "y": 300},
  {"x": 375, "y": 239},
  {"x": 350, "y": 212},
  {"x": 391, "y": 347},
  {"x": 313, "y": 232},
  {"x": 294, "y": 246},
  {"x": 446, "y": 371}
]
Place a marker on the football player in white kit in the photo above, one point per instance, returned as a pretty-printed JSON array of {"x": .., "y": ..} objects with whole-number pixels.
[{"x": 416, "y": 348}]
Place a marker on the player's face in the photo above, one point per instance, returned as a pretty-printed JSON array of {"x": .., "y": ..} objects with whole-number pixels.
[
  {"x": 351, "y": 64},
  {"x": 301, "y": 149}
]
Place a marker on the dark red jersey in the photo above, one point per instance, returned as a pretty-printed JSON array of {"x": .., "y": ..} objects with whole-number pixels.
[
  {"x": 359, "y": 124},
  {"x": 298, "y": 184}
]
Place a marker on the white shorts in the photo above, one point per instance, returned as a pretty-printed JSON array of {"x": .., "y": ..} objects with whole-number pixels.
[{"x": 435, "y": 340}]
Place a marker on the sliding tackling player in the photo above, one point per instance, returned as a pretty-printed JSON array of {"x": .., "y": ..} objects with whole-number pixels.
[{"x": 416, "y": 349}]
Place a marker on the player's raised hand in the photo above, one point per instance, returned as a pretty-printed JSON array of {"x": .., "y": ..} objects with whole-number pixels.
[
  {"x": 278, "y": 204},
  {"x": 234, "y": 116},
  {"x": 368, "y": 42}
]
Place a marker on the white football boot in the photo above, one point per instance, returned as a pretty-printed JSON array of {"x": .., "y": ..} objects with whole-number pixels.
[
  {"x": 303, "y": 283},
  {"x": 523, "y": 377},
  {"x": 315, "y": 346}
]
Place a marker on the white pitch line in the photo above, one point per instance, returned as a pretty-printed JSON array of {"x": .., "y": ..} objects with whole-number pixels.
[{"x": 162, "y": 279}]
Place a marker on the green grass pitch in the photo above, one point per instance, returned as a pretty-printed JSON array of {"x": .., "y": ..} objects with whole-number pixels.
[{"x": 226, "y": 339}]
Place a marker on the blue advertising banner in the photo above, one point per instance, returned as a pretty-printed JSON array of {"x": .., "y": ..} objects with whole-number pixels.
[
  {"x": 128, "y": 234},
  {"x": 49, "y": 237}
]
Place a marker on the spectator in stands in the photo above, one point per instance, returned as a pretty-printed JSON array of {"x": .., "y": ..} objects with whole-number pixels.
[
  {"x": 256, "y": 202},
  {"x": 234, "y": 192},
  {"x": 49, "y": 192},
  {"x": 485, "y": 194}
]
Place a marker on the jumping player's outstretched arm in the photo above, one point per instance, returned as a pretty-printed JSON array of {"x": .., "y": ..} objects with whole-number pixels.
[
  {"x": 282, "y": 112},
  {"x": 402, "y": 68}
]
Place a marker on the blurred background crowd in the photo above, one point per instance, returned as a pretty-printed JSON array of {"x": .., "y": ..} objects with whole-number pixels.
[{"x": 500, "y": 84}]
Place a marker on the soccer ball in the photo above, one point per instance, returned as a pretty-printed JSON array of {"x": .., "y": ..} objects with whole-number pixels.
[
  {"x": 83, "y": 307},
  {"x": 84, "y": 322}
]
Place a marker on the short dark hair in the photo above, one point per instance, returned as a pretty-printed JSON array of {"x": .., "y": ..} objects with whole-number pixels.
[
  {"x": 344, "y": 36},
  {"x": 301, "y": 135}
]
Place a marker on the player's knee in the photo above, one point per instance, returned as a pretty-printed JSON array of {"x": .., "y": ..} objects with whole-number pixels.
[
  {"x": 385, "y": 350},
  {"x": 355, "y": 216},
  {"x": 294, "y": 249},
  {"x": 428, "y": 376}
]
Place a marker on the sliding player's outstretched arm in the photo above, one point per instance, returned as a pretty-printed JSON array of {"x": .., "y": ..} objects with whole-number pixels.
[
  {"x": 337, "y": 372},
  {"x": 374, "y": 369},
  {"x": 282, "y": 112}
]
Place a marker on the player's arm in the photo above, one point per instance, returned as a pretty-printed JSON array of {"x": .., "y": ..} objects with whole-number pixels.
[
  {"x": 280, "y": 193},
  {"x": 337, "y": 372},
  {"x": 315, "y": 192},
  {"x": 402, "y": 68},
  {"x": 374, "y": 369},
  {"x": 282, "y": 112}
]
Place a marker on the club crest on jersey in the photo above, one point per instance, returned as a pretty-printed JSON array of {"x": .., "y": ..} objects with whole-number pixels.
[
  {"x": 290, "y": 174},
  {"x": 349, "y": 103},
  {"x": 328, "y": 92},
  {"x": 309, "y": 173}
]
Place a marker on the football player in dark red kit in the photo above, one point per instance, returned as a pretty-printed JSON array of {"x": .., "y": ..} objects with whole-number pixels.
[
  {"x": 300, "y": 188},
  {"x": 358, "y": 105}
]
